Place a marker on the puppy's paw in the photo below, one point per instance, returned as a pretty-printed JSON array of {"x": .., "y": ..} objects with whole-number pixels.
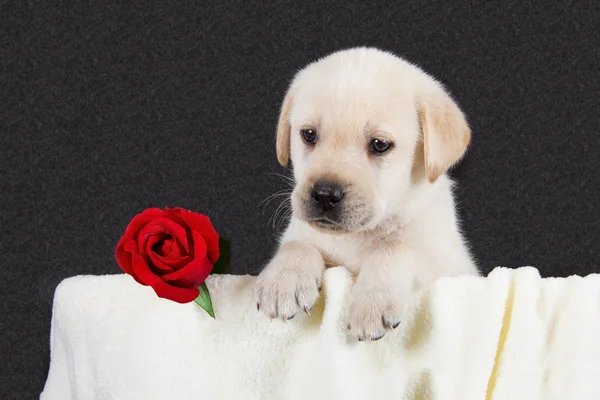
[
  {"x": 291, "y": 281},
  {"x": 374, "y": 311}
]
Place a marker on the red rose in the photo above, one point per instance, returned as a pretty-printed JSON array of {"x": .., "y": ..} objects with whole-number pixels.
[{"x": 171, "y": 250}]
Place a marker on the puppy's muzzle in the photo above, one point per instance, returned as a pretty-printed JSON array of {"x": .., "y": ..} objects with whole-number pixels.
[{"x": 326, "y": 195}]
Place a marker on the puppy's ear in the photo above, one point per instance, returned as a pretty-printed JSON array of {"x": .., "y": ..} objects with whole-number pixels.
[
  {"x": 446, "y": 133},
  {"x": 284, "y": 130}
]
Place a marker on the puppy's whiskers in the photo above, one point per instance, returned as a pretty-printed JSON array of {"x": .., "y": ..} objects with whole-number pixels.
[
  {"x": 287, "y": 179},
  {"x": 272, "y": 197},
  {"x": 281, "y": 213},
  {"x": 286, "y": 215}
]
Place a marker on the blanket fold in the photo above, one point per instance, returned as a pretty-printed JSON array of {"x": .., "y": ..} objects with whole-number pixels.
[{"x": 511, "y": 335}]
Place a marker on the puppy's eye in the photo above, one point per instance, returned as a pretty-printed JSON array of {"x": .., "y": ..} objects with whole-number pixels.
[
  {"x": 379, "y": 146},
  {"x": 309, "y": 135}
]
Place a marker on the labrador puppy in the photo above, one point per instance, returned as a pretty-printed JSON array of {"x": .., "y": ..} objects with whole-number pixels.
[{"x": 370, "y": 137}]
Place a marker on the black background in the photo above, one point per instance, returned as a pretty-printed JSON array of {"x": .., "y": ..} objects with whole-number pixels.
[{"x": 107, "y": 109}]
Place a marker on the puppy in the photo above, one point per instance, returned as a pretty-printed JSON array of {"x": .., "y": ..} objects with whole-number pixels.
[{"x": 370, "y": 137}]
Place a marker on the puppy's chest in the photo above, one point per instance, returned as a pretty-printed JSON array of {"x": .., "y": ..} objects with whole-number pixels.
[{"x": 345, "y": 251}]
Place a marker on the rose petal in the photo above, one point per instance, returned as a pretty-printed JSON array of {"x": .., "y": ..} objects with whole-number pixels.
[
  {"x": 194, "y": 280},
  {"x": 166, "y": 225},
  {"x": 123, "y": 257},
  {"x": 177, "y": 250},
  {"x": 164, "y": 247},
  {"x": 190, "y": 269},
  {"x": 168, "y": 265},
  {"x": 134, "y": 226},
  {"x": 201, "y": 224},
  {"x": 159, "y": 243},
  {"x": 130, "y": 249},
  {"x": 162, "y": 288},
  {"x": 175, "y": 263},
  {"x": 165, "y": 268},
  {"x": 140, "y": 220},
  {"x": 174, "y": 215},
  {"x": 195, "y": 272},
  {"x": 146, "y": 241}
]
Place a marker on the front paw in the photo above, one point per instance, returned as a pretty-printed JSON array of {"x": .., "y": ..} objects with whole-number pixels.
[
  {"x": 291, "y": 282},
  {"x": 373, "y": 312}
]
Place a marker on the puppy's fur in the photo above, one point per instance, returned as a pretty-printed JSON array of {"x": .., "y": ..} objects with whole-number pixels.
[{"x": 395, "y": 227}]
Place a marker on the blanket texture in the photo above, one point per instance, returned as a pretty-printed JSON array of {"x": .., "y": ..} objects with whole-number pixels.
[{"x": 512, "y": 335}]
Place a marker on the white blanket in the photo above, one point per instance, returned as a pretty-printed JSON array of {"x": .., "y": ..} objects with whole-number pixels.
[{"x": 511, "y": 335}]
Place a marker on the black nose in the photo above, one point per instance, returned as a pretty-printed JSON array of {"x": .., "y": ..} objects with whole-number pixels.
[{"x": 327, "y": 195}]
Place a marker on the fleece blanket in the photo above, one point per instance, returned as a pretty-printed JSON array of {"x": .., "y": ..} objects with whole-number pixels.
[{"x": 511, "y": 335}]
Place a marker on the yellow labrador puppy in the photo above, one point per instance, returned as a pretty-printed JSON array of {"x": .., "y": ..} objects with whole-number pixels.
[{"x": 370, "y": 137}]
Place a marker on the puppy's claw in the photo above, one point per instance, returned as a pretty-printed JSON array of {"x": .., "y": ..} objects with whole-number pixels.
[
  {"x": 348, "y": 327},
  {"x": 307, "y": 310},
  {"x": 257, "y": 306},
  {"x": 377, "y": 337},
  {"x": 389, "y": 325},
  {"x": 291, "y": 316}
]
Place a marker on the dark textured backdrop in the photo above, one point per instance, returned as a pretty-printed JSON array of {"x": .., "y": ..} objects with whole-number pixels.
[{"x": 109, "y": 108}]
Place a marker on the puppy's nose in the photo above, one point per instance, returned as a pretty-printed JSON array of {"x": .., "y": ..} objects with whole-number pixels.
[{"x": 327, "y": 195}]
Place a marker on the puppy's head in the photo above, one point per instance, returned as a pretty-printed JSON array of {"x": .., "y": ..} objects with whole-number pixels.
[{"x": 363, "y": 128}]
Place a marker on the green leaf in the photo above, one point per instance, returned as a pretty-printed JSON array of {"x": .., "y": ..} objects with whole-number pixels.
[
  {"x": 222, "y": 264},
  {"x": 204, "y": 301}
]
